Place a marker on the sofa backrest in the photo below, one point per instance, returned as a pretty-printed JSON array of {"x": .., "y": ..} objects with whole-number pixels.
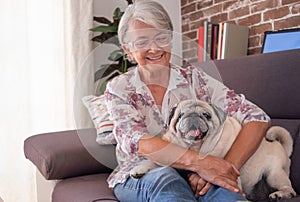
[{"x": 272, "y": 80}]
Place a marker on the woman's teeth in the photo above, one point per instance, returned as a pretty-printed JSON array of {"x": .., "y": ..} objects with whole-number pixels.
[{"x": 155, "y": 58}]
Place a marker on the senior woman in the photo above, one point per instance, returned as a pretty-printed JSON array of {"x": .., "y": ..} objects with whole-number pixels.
[{"x": 139, "y": 102}]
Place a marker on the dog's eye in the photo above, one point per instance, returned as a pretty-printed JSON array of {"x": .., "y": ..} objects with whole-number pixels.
[
  {"x": 207, "y": 116},
  {"x": 180, "y": 115}
]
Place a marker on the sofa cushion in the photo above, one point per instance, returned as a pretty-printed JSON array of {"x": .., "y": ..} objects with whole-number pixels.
[
  {"x": 96, "y": 106},
  {"x": 71, "y": 153},
  {"x": 85, "y": 188}
]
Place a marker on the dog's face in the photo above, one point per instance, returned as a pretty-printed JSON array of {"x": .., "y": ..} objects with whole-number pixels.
[{"x": 193, "y": 120}]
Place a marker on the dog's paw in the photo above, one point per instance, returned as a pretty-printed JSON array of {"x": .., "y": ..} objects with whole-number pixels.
[
  {"x": 137, "y": 175},
  {"x": 140, "y": 170},
  {"x": 282, "y": 194}
]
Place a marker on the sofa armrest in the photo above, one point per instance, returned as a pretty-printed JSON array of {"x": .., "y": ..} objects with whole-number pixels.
[{"x": 69, "y": 153}]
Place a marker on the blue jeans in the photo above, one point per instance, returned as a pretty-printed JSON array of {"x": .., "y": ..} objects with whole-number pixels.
[{"x": 165, "y": 184}]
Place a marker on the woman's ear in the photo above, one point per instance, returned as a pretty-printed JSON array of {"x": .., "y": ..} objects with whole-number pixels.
[{"x": 128, "y": 52}]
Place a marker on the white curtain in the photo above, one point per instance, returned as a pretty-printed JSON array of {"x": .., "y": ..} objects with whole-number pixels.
[{"x": 43, "y": 44}]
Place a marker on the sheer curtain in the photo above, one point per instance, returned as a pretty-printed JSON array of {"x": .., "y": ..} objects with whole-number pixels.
[{"x": 42, "y": 47}]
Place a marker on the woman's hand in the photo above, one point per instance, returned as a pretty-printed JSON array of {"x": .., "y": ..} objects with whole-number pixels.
[
  {"x": 212, "y": 169},
  {"x": 198, "y": 184},
  {"x": 219, "y": 172}
]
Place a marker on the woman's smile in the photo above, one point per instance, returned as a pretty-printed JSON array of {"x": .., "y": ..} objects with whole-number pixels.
[{"x": 155, "y": 58}]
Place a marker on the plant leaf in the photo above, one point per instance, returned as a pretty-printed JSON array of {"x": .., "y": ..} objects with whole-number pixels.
[
  {"x": 116, "y": 55},
  {"x": 102, "y": 20},
  {"x": 105, "y": 37},
  {"x": 105, "y": 29},
  {"x": 129, "y": 2},
  {"x": 117, "y": 14},
  {"x": 106, "y": 71}
]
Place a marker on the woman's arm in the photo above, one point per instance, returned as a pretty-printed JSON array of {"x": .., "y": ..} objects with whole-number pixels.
[
  {"x": 246, "y": 143},
  {"x": 213, "y": 169}
]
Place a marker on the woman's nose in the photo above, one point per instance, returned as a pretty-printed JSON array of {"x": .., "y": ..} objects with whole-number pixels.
[{"x": 153, "y": 45}]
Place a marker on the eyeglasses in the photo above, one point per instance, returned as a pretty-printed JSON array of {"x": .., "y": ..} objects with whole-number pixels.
[{"x": 161, "y": 40}]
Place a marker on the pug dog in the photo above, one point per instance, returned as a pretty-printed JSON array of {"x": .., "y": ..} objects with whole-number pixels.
[{"x": 205, "y": 128}]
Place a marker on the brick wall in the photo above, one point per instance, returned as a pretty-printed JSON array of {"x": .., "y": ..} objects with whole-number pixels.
[{"x": 258, "y": 15}]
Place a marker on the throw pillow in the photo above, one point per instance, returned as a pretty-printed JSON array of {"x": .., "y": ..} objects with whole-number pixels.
[{"x": 98, "y": 111}]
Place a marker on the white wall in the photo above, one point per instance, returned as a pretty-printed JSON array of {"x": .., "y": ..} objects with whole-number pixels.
[{"x": 105, "y": 8}]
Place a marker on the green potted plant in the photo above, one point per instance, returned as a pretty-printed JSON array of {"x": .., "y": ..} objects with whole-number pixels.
[{"x": 108, "y": 34}]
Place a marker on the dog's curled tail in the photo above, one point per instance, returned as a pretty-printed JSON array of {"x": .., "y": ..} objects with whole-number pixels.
[{"x": 277, "y": 133}]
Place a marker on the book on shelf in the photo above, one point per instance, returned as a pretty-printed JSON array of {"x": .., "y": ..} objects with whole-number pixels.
[
  {"x": 222, "y": 40},
  {"x": 208, "y": 39},
  {"x": 235, "y": 41},
  {"x": 200, "y": 36}
]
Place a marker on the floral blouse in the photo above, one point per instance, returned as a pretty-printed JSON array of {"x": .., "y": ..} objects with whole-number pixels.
[{"x": 134, "y": 112}]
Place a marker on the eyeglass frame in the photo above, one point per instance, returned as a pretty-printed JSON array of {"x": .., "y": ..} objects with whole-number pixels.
[{"x": 133, "y": 47}]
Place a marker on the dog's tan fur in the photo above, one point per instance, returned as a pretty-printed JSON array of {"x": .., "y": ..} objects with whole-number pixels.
[{"x": 270, "y": 160}]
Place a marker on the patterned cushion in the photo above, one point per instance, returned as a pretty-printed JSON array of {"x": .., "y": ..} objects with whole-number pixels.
[{"x": 97, "y": 108}]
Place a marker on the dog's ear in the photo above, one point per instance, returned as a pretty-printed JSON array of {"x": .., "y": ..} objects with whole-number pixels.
[
  {"x": 219, "y": 112},
  {"x": 171, "y": 114}
]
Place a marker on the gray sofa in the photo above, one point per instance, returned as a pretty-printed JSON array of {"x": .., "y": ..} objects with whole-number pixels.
[{"x": 73, "y": 167}]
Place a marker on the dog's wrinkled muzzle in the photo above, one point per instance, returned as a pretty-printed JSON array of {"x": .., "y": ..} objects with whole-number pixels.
[{"x": 192, "y": 127}]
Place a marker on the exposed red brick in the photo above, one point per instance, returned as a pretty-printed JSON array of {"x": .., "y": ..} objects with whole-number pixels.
[
  {"x": 286, "y": 23},
  {"x": 276, "y": 13},
  {"x": 228, "y": 4},
  {"x": 204, "y": 4},
  {"x": 244, "y": 11},
  {"x": 183, "y": 2},
  {"x": 191, "y": 35},
  {"x": 185, "y": 28},
  {"x": 259, "y": 29},
  {"x": 296, "y": 8},
  {"x": 263, "y": 5},
  {"x": 254, "y": 41},
  {"x": 188, "y": 9},
  {"x": 275, "y": 16},
  {"x": 285, "y": 2},
  {"x": 223, "y": 17},
  {"x": 218, "y": 1},
  {"x": 197, "y": 24},
  {"x": 253, "y": 51},
  {"x": 196, "y": 16},
  {"x": 250, "y": 20},
  {"x": 212, "y": 10}
]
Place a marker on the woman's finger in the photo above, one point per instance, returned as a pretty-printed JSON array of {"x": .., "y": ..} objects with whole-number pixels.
[
  {"x": 204, "y": 189},
  {"x": 193, "y": 179},
  {"x": 200, "y": 185}
]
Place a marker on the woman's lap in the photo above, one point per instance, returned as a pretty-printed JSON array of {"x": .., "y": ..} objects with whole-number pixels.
[{"x": 165, "y": 184}]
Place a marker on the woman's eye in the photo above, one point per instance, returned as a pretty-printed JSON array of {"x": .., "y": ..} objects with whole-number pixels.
[
  {"x": 163, "y": 38},
  {"x": 141, "y": 43}
]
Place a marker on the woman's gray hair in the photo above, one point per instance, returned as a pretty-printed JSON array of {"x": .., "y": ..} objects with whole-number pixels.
[{"x": 146, "y": 11}]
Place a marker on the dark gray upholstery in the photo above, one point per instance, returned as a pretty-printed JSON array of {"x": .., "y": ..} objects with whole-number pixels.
[
  {"x": 83, "y": 188},
  {"x": 269, "y": 80},
  {"x": 61, "y": 155}
]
